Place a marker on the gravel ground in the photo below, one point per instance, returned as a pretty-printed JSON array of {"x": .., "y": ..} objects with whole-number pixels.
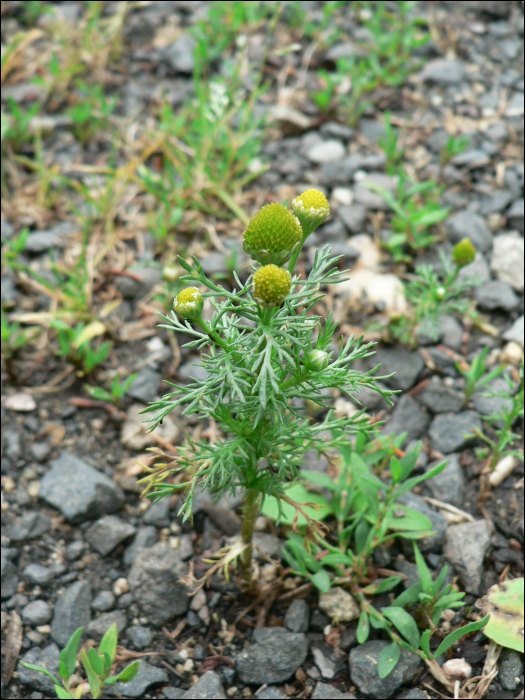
[{"x": 79, "y": 545}]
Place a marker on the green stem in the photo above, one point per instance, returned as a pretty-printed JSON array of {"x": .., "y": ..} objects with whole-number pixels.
[
  {"x": 250, "y": 512},
  {"x": 212, "y": 334},
  {"x": 295, "y": 256}
]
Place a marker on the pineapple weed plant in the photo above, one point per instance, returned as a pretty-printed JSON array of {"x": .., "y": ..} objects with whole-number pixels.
[{"x": 268, "y": 358}]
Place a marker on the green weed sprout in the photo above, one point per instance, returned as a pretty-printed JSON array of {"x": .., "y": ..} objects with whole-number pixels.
[
  {"x": 97, "y": 666},
  {"x": 117, "y": 391},
  {"x": 368, "y": 515},
  {"x": 389, "y": 145},
  {"x": 475, "y": 377},
  {"x": 431, "y": 295},
  {"x": 504, "y": 604},
  {"x": 453, "y": 147},
  {"x": 502, "y": 421},
  {"x": 75, "y": 343},
  {"x": 416, "y": 211},
  {"x": 268, "y": 354}
]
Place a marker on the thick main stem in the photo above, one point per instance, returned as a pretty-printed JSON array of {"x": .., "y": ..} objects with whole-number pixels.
[{"x": 250, "y": 512}]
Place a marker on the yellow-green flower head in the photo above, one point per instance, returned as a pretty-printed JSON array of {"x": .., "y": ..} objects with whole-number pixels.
[
  {"x": 311, "y": 208},
  {"x": 317, "y": 360},
  {"x": 463, "y": 253},
  {"x": 189, "y": 303},
  {"x": 271, "y": 285},
  {"x": 273, "y": 235}
]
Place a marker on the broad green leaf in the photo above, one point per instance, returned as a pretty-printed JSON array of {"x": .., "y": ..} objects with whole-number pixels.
[
  {"x": 388, "y": 659},
  {"x": 422, "y": 568},
  {"x": 94, "y": 682},
  {"x": 382, "y": 585},
  {"x": 404, "y": 623},
  {"x": 361, "y": 535},
  {"x": 68, "y": 655},
  {"x": 299, "y": 494},
  {"x": 129, "y": 673},
  {"x": 504, "y": 604},
  {"x": 111, "y": 680},
  {"x": 436, "y": 585},
  {"x": 62, "y": 670},
  {"x": 108, "y": 644},
  {"x": 424, "y": 643},
  {"x": 42, "y": 670},
  {"x": 377, "y": 623},
  {"x": 412, "y": 520},
  {"x": 363, "y": 628},
  {"x": 395, "y": 470},
  {"x": 96, "y": 661},
  {"x": 415, "y": 480},
  {"x": 408, "y": 462},
  {"x": 415, "y": 534},
  {"x": 322, "y": 480},
  {"x": 321, "y": 580},
  {"x": 457, "y": 634},
  {"x": 62, "y": 693},
  {"x": 410, "y": 596},
  {"x": 336, "y": 559}
]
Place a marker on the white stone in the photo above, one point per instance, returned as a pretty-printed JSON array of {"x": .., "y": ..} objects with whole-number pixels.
[
  {"x": 339, "y": 605},
  {"x": 342, "y": 195},
  {"x": 507, "y": 259},
  {"x": 20, "y": 402},
  {"x": 376, "y": 288},
  {"x": 512, "y": 353},
  {"x": 515, "y": 332},
  {"x": 369, "y": 253},
  {"x": 326, "y": 152}
]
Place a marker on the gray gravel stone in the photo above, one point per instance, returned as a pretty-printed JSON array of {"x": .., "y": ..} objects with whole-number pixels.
[
  {"x": 180, "y": 54},
  {"x": 145, "y": 388},
  {"x": 334, "y": 130},
  {"x": 39, "y": 575},
  {"x": 326, "y": 152},
  {"x": 443, "y": 71},
  {"x": 9, "y": 576},
  {"x": 48, "y": 658},
  {"x": 353, "y": 217},
  {"x": 363, "y": 669},
  {"x": 450, "y": 432},
  {"x": 132, "y": 288},
  {"x": 30, "y": 525},
  {"x": 39, "y": 241},
  {"x": 74, "y": 550},
  {"x": 465, "y": 547},
  {"x": 328, "y": 660},
  {"x": 449, "y": 485},
  {"x": 7, "y": 229},
  {"x": 406, "y": 365},
  {"x": 332, "y": 231},
  {"x": 440, "y": 398},
  {"x": 38, "y": 612},
  {"x": 158, "y": 514},
  {"x": 452, "y": 332},
  {"x": 325, "y": 690},
  {"x": 416, "y": 694},
  {"x": 510, "y": 669},
  {"x": 495, "y": 201},
  {"x": 147, "y": 676},
  {"x": 515, "y": 215},
  {"x": 439, "y": 524},
  {"x": 496, "y": 295},
  {"x": 507, "y": 259},
  {"x": 466, "y": 224},
  {"x": 370, "y": 199},
  {"x": 297, "y": 616},
  {"x": 72, "y": 610},
  {"x": 98, "y": 627},
  {"x": 339, "y": 173},
  {"x": 472, "y": 158},
  {"x": 478, "y": 271},
  {"x": 103, "y": 602},
  {"x": 154, "y": 580},
  {"x": 107, "y": 533},
  {"x": 145, "y": 537},
  {"x": 515, "y": 332},
  {"x": 78, "y": 491},
  {"x": 274, "y": 658},
  {"x": 208, "y": 686},
  {"x": 408, "y": 569},
  {"x": 272, "y": 692},
  {"x": 192, "y": 370},
  {"x": 407, "y": 417},
  {"x": 139, "y": 637}
]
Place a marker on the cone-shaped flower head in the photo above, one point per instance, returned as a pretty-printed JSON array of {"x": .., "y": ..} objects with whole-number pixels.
[
  {"x": 317, "y": 360},
  {"x": 273, "y": 235},
  {"x": 312, "y": 209},
  {"x": 463, "y": 253},
  {"x": 189, "y": 303},
  {"x": 271, "y": 285}
]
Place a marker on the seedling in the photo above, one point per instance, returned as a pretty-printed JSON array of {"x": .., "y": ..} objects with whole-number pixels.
[
  {"x": 431, "y": 295},
  {"x": 261, "y": 355},
  {"x": 97, "y": 666},
  {"x": 389, "y": 144},
  {"x": 117, "y": 392},
  {"x": 75, "y": 343},
  {"x": 453, "y": 147},
  {"x": 504, "y": 605},
  {"x": 475, "y": 377},
  {"x": 91, "y": 110},
  {"x": 416, "y": 211}
]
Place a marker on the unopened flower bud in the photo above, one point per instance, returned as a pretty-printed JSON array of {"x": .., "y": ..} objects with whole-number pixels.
[
  {"x": 271, "y": 285},
  {"x": 463, "y": 253},
  {"x": 312, "y": 209},
  {"x": 317, "y": 360},
  {"x": 440, "y": 292},
  {"x": 189, "y": 303},
  {"x": 273, "y": 235}
]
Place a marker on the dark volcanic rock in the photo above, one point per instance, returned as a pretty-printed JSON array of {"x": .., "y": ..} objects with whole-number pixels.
[
  {"x": 274, "y": 658},
  {"x": 363, "y": 669}
]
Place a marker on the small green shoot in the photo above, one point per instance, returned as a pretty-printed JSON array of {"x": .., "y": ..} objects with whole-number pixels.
[
  {"x": 475, "y": 377},
  {"x": 117, "y": 392},
  {"x": 75, "y": 343}
]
